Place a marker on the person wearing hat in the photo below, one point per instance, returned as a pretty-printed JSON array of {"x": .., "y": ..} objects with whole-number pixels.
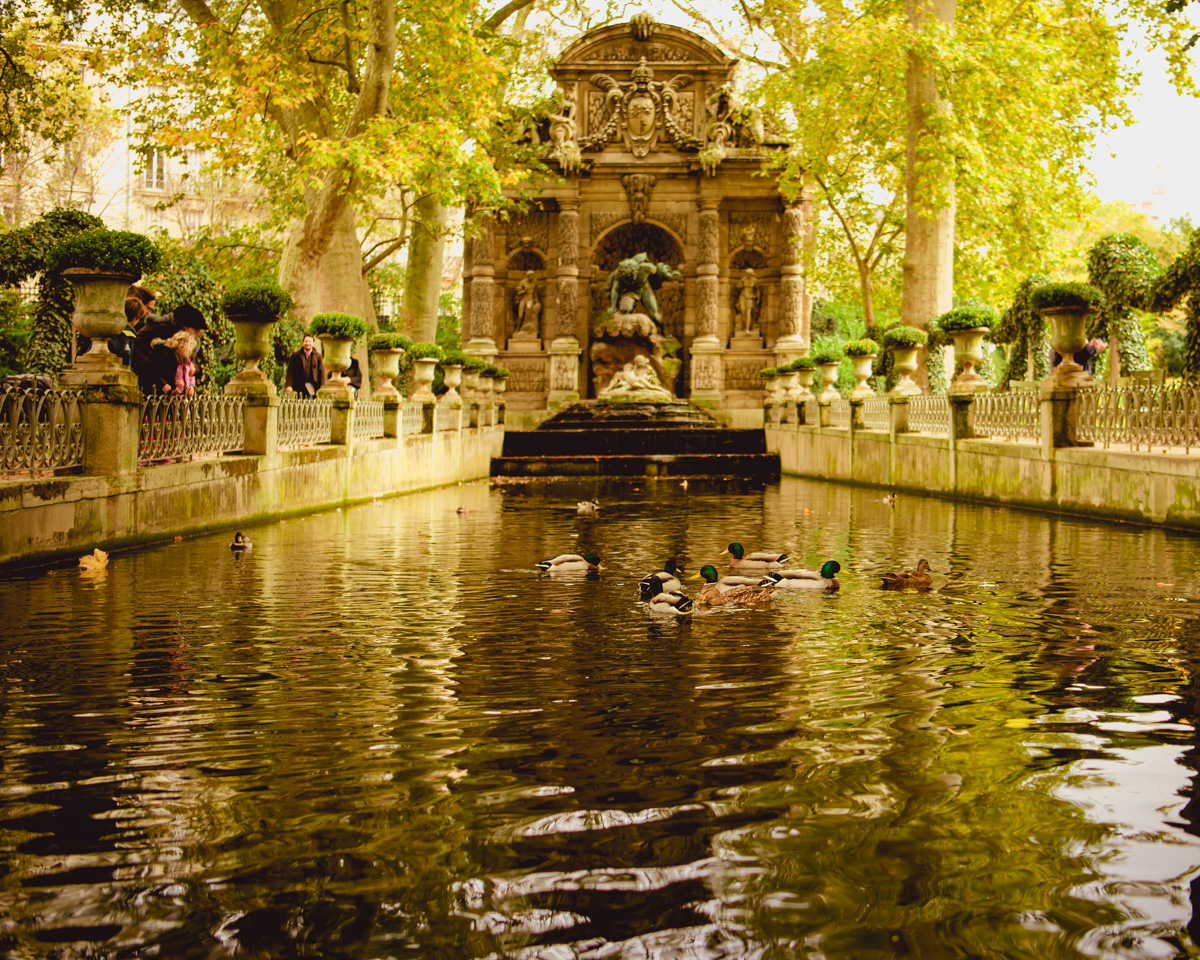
[{"x": 154, "y": 363}]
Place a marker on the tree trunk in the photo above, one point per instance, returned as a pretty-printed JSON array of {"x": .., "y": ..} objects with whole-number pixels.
[
  {"x": 866, "y": 286},
  {"x": 332, "y": 280},
  {"x": 423, "y": 277},
  {"x": 929, "y": 235}
]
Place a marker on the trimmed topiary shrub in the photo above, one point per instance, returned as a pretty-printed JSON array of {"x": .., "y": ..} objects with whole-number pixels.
[
  {"x": 342, "y": 325},
  {"x": 425, "y": 351},
  {"x": 489, "y": 371},
  {"x": 803, "y": 363},
  {"x": 474, "y": 364},
  {"x": 111, "y": 251},
  {"x": 862, "y": 348},
  {"x": 256, "y": 297},
  {"x": 828, "y": 354},
  {"x": 968, "y": 318},
  {"x": 1072, "y": 294},
  {"x": 388, "y": 341},
  {"x": 903, "y": 336},
  {"x": 455, "y": 358},
  {"x": 769, "y": 372},
  {"x": 502, "y": 374}
]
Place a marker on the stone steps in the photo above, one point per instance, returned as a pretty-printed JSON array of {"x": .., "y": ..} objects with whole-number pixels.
[{"x": 758, "y": 466}]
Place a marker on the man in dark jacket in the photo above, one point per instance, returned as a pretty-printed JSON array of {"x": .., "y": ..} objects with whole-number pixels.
[{"x": 306, "y": 370}]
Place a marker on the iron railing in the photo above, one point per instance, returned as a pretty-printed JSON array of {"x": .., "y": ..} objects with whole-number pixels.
[
  {"x": 40, "y": 429},
  {"x": 929, "y": 415},
  {"x": 177, "y": 427},
  {"x": 839, "y": 413},
  {"x": 446, "y": 417},
  {"x": 412, "y": 418},
  {"x": 305, "y": 423},
  {"x": 1013, "y": 415},
  {"x": 1149, "y": 416},
  {"x": 877, "y": 413},
  {"x": 368, "y": 419}
]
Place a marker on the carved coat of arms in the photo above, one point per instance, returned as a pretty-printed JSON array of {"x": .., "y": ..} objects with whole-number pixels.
[{"x": 640, "y": 111}]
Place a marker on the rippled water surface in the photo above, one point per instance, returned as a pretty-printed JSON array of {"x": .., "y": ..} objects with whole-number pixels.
[{"x": 381, "y": 734}]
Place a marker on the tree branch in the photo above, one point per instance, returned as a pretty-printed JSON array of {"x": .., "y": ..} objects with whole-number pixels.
[{"x": 506, "y": 11}]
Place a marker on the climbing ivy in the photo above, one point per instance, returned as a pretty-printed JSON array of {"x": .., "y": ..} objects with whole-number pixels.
[
  {"x": 1124, "y": 268},
  {"x": 935, "y": 358},
  {"x": 23, "y": 254},
  {"x": 1025, "y": 331},
  {"x": 1180, "y": 282}
]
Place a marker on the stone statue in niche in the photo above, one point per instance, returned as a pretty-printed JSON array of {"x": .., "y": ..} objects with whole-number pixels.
[
  {"x": 636, "y": 382},
  {"x": 528, "y": 308},
  {"x": 634, "y": 280},
  {"x": 746, "y": 318},
  {"x": 563, "y": 144}
]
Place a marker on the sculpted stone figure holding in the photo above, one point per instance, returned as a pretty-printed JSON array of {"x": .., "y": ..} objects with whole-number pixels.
[
  {"x": 747, "y": 305},
  {"x": 528, "y": 306},
  {"x": 638, "y": 378},
  {"x": 634, "y": 280}
]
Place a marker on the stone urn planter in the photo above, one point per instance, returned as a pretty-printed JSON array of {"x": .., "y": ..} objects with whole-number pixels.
[
  {"x": 254, "y": 306},
  {"x": 499, "y": 384},
  {"x": 904, "y": 362},
  {"x": 771, "y": 388},
  {"x": 99, "y": 310},
  {"x": 388, "y": 362},
  {"x": 486, "y": 383},
  {"x": 829, "y": 375},
  {"x": 804, "y": 377},
  {"x": 1068, "y": 335},
  {"x": 251, "y": 342},
  {"x": 862, "y": 373},
  {"x": 336, "y": 353},
  {"x": 470, "y": 384},
  {"x": 452, "y": 377},
  {"x": 789, "y": 385},
  {"x": 423, "y": 370},
  {"x": 968, "y": 349}
]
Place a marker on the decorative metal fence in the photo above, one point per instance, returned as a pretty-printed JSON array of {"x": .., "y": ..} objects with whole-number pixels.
[
  {"x": 40, "y": 429},
  {"x": 1013, "y": 415},
  {"x": 177, "y": 427},
  {"x": 305, "y": 423},
  {"x": 929, "y": 415},
  {"x": 446, "y": 417},
  {"x": 812, "y": 411},
  {"x": 839, "y": 413},
  {"x": 1149, "y": 416},
  {"x": 368, "y": 419},
  {"x": 877, "y": 413},
  {"x": 412, "y": 418}
]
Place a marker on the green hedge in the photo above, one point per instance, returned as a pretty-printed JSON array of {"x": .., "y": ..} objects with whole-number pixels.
[
  {"x": 256, "y": 297},
  {"x": 389, "y": 341},
  {"x": 968, "y": 318},
  {"x": 342, "y": 325},
  {"x": 903, "y": 336},
  {"x": 1072, "y": 294},
  {"x": 116, "y": 251}
]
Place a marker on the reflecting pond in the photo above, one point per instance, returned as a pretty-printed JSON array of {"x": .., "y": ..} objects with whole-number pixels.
[{"x": 381, "y": 733}]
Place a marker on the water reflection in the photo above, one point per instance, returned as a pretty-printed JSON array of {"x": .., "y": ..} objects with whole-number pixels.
[{"x": 381, "y": 732}]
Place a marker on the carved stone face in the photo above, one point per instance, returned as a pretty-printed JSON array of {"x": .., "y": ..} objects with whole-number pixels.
[{"x": 641, "y": 115}]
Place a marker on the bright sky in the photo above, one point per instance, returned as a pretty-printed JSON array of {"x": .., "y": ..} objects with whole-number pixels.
[{"x": 1155, "y": 160}]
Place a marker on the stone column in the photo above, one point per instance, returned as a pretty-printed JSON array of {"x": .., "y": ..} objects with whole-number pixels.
[
  {"x": 706, "y": 347},
  {"x": 112, "y": 415},
  {"x": 565, "y": 349},
  {"x": 790, "y": 343},
  {"x": 483, "y": 273},
  {"x": 808, "y": 208}
]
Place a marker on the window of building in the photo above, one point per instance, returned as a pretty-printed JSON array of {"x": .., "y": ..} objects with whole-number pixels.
[{"x": 155, "y": 177}]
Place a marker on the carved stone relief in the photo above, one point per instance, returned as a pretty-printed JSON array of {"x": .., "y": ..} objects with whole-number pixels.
[
  {"x": 710, "y": 237},
  {"x": 677, "y": 222},
  {"x": 528, "y": 376},
  {"x": 568, "y": 237},
  {"x": 653, "y": 52},
  {"x": 637, "y": 189},
  {"x": 706, "y": 370},
  {"x": 743, "y": 374},
  {"x": 529, "y": 229},
  {"x": 601, "y": 221},
  {"x": 640, "y": 110},
  {"x": 750, "y": 230},
  {"x": 793, "y": 235}
]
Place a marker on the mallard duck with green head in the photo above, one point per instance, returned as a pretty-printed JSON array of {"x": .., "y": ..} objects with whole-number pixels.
[
  {"x": 570, "y": 563},
  {"x": 918, "y": 579},
  {"x": 823, "y": 579},
  {"x": 665, "y": 580},
  {"x": 721, "y": 591},
  {"x": 760, "y": 560},
  {"x": 240, "y": 542},
  {"x": 671, "y": 602}
]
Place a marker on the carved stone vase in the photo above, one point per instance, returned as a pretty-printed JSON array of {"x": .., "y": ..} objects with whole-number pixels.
[
  {"x": 486, "y": 383},
  {"x": 423, "y": 371},
  {"x": 904, "y": 362},
  {"x": 499, "y": 385},
  {"x": 452, "y": 377},
  {"x": 862, "y": 373},
  {"x": 99, "y": 311},
  {"x": 770, "y": 389},
  {"x": 968, "y": 349},
  {"x": 829, "y": 375},
  {"x": 336, "y": 354},
  {"x": 388, "y": 362},
  {"x": 470, "y": 384},
  {"x": 789, "y": 385},
  {"x": 251, "y": 344},
  {"x": 805, "y": 379},
  {"x": 1068, "y": 335}
]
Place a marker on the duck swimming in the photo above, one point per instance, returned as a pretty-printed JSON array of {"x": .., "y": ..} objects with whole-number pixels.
[
  {"x": 753, "y": 561},
  {"x": 665, "y": 580},
  {"x": 673, "y": 603},
  {"x": 240, "y": 542},
  {"x": 823, "y": 579},
  {"x": 588, "y": 506},
  {"x": 96, "y": 560},
  {"x": 735, "y": 591},
  {"x": 570, "y": 563},
  {"x": 919, "y": 579}
]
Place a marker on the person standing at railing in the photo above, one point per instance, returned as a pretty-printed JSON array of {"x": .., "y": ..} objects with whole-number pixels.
[
  {"x": 306, "y": 370},
  {"x": 1091, "y": 350},
  {"x": 155, "y": 363}
]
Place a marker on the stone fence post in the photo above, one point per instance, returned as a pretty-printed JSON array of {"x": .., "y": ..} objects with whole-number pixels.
[
  {"x": 856, "y": 414},
  {"x": 1058, "y": 412},
  {"x": 392, "y": 405},
  {"x": 112, "y": 416},
  {"x": 428, "y": 416},
  {"x": 824, "y": 412},
  {"x": 899, "y": 411}
]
